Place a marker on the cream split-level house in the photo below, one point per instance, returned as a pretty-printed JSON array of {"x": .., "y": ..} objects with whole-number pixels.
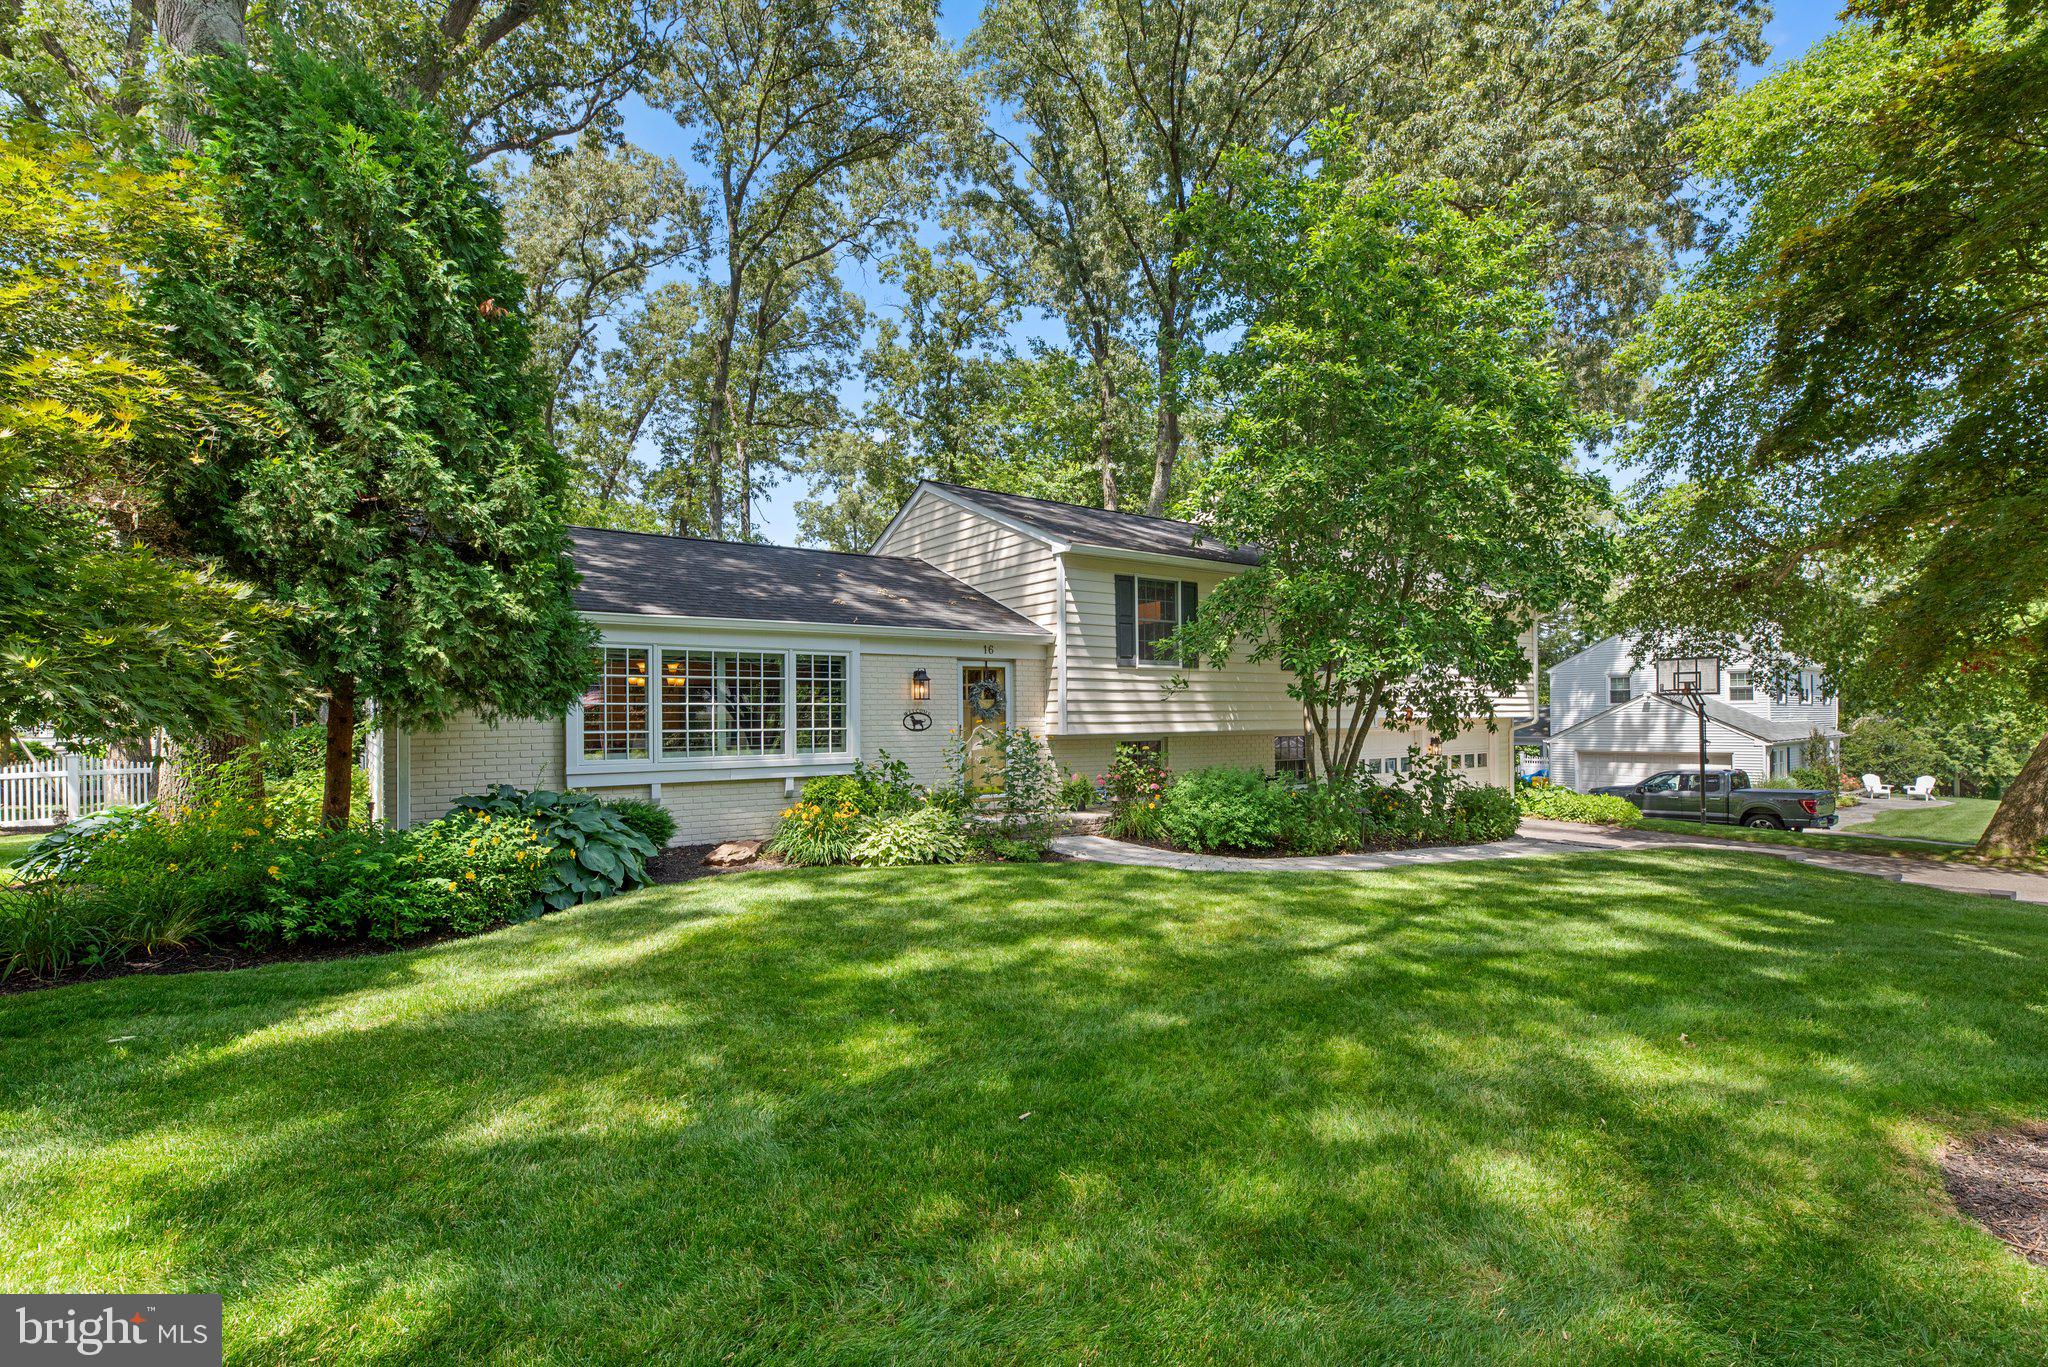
[
  {"x": 733, "y": 672},
  {"x": 1608, "y": 726}
]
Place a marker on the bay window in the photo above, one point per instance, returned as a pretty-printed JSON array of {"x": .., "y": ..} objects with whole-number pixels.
[{"x": 712, "y": 704}]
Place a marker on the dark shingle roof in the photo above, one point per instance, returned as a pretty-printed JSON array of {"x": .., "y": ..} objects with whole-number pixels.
[
  {"x": 681, "y": 576},
  {"x": 1114, "y": 531}
]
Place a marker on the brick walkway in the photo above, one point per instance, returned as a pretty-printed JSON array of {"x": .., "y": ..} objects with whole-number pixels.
[{"x": 1562, "y": 837}]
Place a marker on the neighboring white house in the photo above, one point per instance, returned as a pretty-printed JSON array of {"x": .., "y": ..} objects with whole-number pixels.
[
  {"x": 732, "y": 672},
  {"x": 1607, "y": 726}
]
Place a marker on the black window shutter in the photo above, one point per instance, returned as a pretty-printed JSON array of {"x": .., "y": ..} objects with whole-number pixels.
[
  {"x": 1188, "y": 593},
  {"x": 1126, "y": 619}
]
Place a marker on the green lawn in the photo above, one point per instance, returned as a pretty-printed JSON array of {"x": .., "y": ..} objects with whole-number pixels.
[
  {"x": 13, "y": 847},
  {"x": 1623, "y": 1107},
  {"x": 1821, "y": 840},
  {"x": 1963, "y": 819}
]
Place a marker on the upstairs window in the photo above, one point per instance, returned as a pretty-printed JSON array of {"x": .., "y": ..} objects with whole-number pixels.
[
  {"x": 1618, "y": 688},
  {"x": 1158, "y": 618},
  {"x": 1740, "y": 689}
]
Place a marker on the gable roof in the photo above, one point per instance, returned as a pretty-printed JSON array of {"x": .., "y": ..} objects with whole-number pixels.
[
  {"x": 1079, "y": 525},
  {"x": 1765, "y": 729},
  {"x": 648, "y": 574}
]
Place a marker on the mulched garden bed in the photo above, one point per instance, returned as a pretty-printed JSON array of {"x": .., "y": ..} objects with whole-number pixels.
[
  {"x": 2000, "y": 1180},
  {"x": 678, "y": 864}
]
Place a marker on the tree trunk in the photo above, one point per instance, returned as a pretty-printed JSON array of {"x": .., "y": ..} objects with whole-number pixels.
[
  {"x": 182, "y": 762},
  {"x": 341, "y": 753},
  {"x": 720, "y": 399},
  {"x": 2020, "y": 825},
  {"x": 1105, "y": 442},
  {"x": 1166, "y": 441},
  {"x": 198, "y": 28}
]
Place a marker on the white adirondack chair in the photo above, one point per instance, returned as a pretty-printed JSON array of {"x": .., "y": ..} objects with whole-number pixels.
[
  {"x": 1923, "y": 787},
  {"x": 1876, "y": 786}
]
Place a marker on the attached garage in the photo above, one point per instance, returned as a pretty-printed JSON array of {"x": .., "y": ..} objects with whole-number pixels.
[{"x": 1608, "y": 768}]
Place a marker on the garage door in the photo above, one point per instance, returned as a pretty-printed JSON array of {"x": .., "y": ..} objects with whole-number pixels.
[{"x": 1602, "y": 769}]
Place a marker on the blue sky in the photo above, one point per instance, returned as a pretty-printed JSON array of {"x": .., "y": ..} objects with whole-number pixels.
[{"x": 1796, "y": 26}]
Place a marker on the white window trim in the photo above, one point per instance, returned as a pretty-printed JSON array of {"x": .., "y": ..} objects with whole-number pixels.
[
  {"x": 1138, "y": 660},
  {"x": 658, "y": 767}
]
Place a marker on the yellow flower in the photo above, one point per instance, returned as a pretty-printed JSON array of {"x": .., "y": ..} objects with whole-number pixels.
[
  {"x": 470, "y": 875},
  {"x": 235, "y": 846},
  {"x": 172, "y": 867},
  {"x": 451, "y": 885},
  {"x": 248, "y": 830},
  {"x": 487, "y": 818},
  {"x": 268, "y": 822},
  {"x": 272, "y": 870}
]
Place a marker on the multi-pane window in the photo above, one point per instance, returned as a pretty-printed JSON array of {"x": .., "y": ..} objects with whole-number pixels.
[
  {"x": 1290, "y": 756},
  {"x": 750, "y": 684},
  {"x": 708, "y": 704},
  {"x": 1617, "y": 688},
  {"x": 820, "y": 700},
  {"x": 615, "y": 709},
  {"x": 1158, "y": 618},
  {"x": 1740, "y": 689},
  {"x": 689, "y": 703}
]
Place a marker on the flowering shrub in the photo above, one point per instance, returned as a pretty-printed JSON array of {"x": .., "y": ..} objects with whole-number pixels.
[
  {"x": 1077, "y": 793},
  {"x": 820, "y": 827},
  {"x": 1135, "y": 775}
]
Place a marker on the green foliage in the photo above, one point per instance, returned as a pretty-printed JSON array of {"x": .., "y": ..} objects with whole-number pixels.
[
  {"x": 921, "y": 835},
  {"x": 823, "y": 825},
  {"x": 1077, "y": 793},
  {"x": 1135, "y": 784},
  {"x": 408, "y": 502},
  {"x": 1841, "y": 433},
  {"x": 65, "y": 850},
  {"x": 481, "y": 869},
  {"x": 1480, "y": 815},
  {"x": 109, "y": 628},
  {"x": 1398, "y": 445},
  {"x": 1562, "y": 804},
  {"x": 651, "y": 819},
  {"x": 50, "y": 925},
  {"x": 1005, "y": 774},
  {"x": 589, "y": 850},
  {"x": 1227, "y": 809}
]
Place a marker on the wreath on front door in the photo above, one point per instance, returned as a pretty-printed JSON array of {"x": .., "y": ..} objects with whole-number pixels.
[{"x": 984, "y": 701}]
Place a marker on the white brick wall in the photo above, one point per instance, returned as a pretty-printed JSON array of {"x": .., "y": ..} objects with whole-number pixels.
[{"x": 468, "y": 755}]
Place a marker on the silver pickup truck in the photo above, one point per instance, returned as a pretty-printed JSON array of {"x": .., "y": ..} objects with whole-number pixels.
[{"x": 1675, "y": 794}]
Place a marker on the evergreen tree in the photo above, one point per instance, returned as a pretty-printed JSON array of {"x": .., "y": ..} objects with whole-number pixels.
[{"x": 409, "y": 507}]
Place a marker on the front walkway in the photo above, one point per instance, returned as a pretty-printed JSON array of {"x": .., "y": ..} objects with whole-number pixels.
[{"x": 1564, "y": 837}]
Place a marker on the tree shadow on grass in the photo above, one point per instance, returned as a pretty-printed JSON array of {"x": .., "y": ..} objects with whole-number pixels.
[{"x": 1627, "y": 1106}]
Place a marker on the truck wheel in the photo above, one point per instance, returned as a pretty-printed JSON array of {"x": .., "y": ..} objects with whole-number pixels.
[{"x": 1763, "y": 821}]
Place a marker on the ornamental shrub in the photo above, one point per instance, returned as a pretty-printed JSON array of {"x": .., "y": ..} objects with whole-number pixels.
[
  {"x": 1562, "y": 804},
  {"x": 479, "y": 869},
  {"x": 1227, "y": 809},
  {"x": 589, "y": 849},
  {"x": 1077, "y": 793},
  {"x": 336, "y": 886},
  {"x": 922, "y": 835},
  {"x": 1479, "y": 815},
  {"x": 648, "y": 817}
]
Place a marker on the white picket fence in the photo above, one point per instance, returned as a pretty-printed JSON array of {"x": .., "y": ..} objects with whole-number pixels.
[{"x": 60, "y": 788}]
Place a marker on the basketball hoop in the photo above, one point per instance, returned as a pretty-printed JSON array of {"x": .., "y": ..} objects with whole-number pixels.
[
  {"x": 1688, "y": 683},
  {"x": 1699, "y": 677}
]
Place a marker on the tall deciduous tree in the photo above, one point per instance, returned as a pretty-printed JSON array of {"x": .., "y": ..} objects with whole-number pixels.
[
  {"x": 409, "y": 509},
  {"x": 508, "y": 75},
  {"x": 1848, "y": 394},
  {"x": 1398, "y": 445},
  {"x": 109, "y": 627},
  {"x": 815, "y": 123}
]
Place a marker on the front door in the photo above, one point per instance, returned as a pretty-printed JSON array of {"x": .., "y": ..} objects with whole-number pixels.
[{"x": 984, "y": 710}]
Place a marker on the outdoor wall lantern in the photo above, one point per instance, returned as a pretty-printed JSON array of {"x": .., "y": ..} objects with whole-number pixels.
[{"x": 920, "y": 686}]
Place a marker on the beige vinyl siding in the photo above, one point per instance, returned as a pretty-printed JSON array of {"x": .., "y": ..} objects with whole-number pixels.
[
  {"x": 1108, "y": 698},
  {"x": 1016, "y": 570}
]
